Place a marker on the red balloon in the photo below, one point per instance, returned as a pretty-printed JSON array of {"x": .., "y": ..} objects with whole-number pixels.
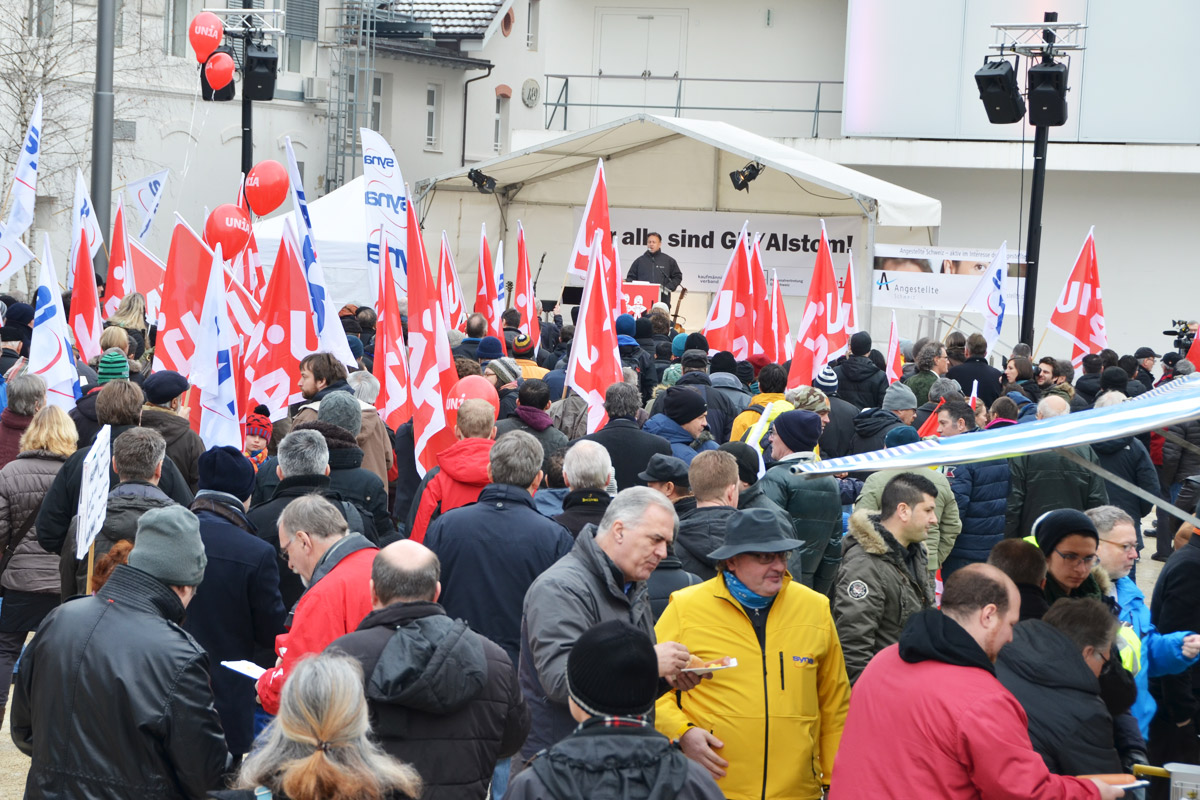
[
  {"x": 205, "y": 33},
  {"x": 219, "y": 71},
  {"x": 228, "y": 226},
  {"x": 470, "y": 387},
  {"x": 266, "y": 187}
]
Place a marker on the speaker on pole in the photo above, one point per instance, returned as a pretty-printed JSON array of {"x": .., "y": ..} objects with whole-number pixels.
[{"x": 262, "y": 62}]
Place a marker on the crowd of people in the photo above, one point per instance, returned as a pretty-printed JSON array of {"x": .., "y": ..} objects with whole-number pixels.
[{"x": 660, "y": 608}]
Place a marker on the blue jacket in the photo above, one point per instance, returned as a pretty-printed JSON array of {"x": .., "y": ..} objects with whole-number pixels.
[
  {"x": 1161, "y": 652},
  {"x": 680, "y": 440},
  {"x": 981, "y": 491}
]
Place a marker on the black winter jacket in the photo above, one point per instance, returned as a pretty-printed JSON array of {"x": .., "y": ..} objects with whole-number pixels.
[
  {"x": 441, "y": 697},
  {"x": 1045, "y": 481},
  {"x": 126, "y": 504},
  {"x": 838, "y": 435},
  {"x": 1179, "y": 463},
  {"x": 1087, "y": 389},
  {"x": 669, "y": 576},
  {"x": 974, "y": 369},
  {"x": 1069, "y": 726},
  {"x": 1173, "y": 607},
  {"x": 113, "y": 699},
  {"x": 1127, "y": 458},
  {"x": 870, "y": 427},
  {"x": 630, "y": 449},
  {"x": 981, "y": 491},
  {"x": 701, "y": 531},
  {"x": 860, "y": 382},
  {"x": 581, "y": 508}
]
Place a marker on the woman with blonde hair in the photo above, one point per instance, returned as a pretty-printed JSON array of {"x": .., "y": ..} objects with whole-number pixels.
[
  {"x": 319, "y": 746},
  {"x": 29, "y": 574},
  {"x": 131, "y": 315}
]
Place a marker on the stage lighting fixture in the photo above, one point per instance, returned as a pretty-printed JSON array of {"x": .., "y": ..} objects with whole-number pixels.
[
  {"x": 1048, "y": 94},
  {"x": 741, "y": 177},
  {"x": 484, "y": 183},
  {"x": 997, "y": 82}
]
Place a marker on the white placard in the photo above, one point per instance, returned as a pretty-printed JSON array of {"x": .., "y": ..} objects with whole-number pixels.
[
  {"x": 247, "y": 668},
  {"x": 937, "y": 278},
  {"x": 93, "y": 492}
]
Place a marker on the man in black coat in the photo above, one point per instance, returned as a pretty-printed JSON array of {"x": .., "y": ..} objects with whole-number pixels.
[
  {"x": 238, "y": 610},
  {"x": 113, "y": 697},
  {"x": 655, "y": 266},
  {"x": 1175, "y": 606},
  {"x": 713, "y": 476},
  {"x": 860, "y": 382},
  {"x": 629, "y": 447},
  {"x": 586, "y": 469},
  {"x": 476, "y": 330},
  {"x": 721, "y": 410},
  {"x": 976, "y": 368},
  {"x": 441, "y": 697}
]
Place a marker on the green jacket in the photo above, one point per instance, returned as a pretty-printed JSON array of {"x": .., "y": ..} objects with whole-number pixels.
[
  {"x": 919, "y": 382},
  {"x": 1041, "y": 482},
  {"x": 815, "y": 508},
  {"x": 949, "y": 525}
]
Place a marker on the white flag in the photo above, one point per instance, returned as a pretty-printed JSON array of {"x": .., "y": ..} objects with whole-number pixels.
[
  {"x": 212, "y": 365},
  {"x": 386, "y": 201},
  {"x": 84, "y": 217},
  {"x": 24, "y": 186},
  {"x": 988, "y": 297},
  {"x": 14, "y": 255},
  {"x": 50, "y": 352},
  {"x": 146, "y": 195}
]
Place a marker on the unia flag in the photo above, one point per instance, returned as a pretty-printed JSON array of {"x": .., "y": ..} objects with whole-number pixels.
[
  {"x": 595, "y": 362},
  {"x": 1079, "y": 313},
  {"x": 822, "y": 335}
]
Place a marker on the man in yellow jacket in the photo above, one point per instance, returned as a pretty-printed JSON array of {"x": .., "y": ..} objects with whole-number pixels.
[{"x": 768, "y": 728}]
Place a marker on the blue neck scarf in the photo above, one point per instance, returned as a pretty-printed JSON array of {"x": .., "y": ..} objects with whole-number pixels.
[{"x": 743, "y": 595}]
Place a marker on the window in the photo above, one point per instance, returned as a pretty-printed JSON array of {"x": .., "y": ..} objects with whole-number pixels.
[
  {"x": 531, "y": 25},
  {"x": 41, "y": 17},
  {"x": 500, "y": 127},
  {"x": 176, "y": 28},
  {"x": 376, "y": 103},
  {"x": 433, "y": 117},
  {"x": 289, "y": 53},
  {"x": 118, "y": 26},
  {"x": 301, "y": 21}
]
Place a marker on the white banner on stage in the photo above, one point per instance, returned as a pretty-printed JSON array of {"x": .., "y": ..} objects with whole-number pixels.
[
  {"x": 700, "y": 241},
  {"x": 937, "y": 278}
]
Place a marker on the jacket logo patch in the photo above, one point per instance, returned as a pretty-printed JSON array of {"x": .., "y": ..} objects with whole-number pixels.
[
  {"x": 857, "y": 590},
  {"x": 802, "y": 661}
]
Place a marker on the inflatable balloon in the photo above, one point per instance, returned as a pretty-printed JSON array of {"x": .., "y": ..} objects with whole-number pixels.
[
  {"x": 219, "y": 71},
  {"x": 470, "y": 387},
  {"x": 266, "y": 187},
  {"x": 228, "y": 226},
  {"x": 205, "y": 34}
]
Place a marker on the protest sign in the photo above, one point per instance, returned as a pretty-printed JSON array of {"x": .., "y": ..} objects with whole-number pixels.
[{"x": 93, "y": 493}]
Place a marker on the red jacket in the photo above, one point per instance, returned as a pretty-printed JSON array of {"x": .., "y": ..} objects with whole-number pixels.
[
  {"x": 332, "y": 607},
  {"x": 461, "y": 476},
  {"x": 942, "y": 732}
]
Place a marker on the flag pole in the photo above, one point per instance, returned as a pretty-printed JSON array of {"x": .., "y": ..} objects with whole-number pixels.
[
  {"x": 91, "y": 565},
  {"x": 957, "y": 317},
  {"x": 1037, "y": 349}
]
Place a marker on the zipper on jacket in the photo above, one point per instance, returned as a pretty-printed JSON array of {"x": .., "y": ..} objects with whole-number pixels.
[
  {"x": 781, "y": 671},
  {"x": 766, "y": 722}
]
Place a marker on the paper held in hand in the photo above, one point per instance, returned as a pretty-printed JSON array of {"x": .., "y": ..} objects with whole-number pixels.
[
  {"x": 93, "y": 492},
  {"x": 247, "y": 668}
]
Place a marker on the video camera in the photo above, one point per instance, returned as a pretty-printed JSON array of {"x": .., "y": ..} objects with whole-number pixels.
[{"x": 1184, "y": 332}]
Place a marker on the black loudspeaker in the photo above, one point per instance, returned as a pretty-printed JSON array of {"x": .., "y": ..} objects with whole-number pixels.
[
  {"x": 997, "y": 82},
  {"x": 206, "y": 91},
  {"x": 262, "y": 62},
  {"x": 1048, "y": 94}
]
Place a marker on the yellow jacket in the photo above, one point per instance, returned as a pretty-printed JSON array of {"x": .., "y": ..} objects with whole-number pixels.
[{"x": 780, "y": 712}]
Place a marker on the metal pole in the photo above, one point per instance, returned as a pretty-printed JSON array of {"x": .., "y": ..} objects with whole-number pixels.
[
  {"x": 247, "y": 106},
  {"x": 1033, "y": 245},
  {"x": 102, "y": 122}
]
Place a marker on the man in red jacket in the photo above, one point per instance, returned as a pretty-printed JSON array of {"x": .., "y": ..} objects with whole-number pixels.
[
  {"x": 929, "y": 718},
  {"x": 461, "y": 473},
  {"x": 335, "y": 566}
]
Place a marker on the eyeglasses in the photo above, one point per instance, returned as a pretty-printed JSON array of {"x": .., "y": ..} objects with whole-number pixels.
[
  {"x": 768, "y": 558},
  {"x": 1074, "y": 558},
  {"x": 1105, "y": 655},
  {"x": 1125, "y": 548},
  {"x": 284, "y": 549}
]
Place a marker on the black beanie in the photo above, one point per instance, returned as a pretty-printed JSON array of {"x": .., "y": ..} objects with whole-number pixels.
[
  {"x": 1114, "y": 379},
  {"x": 747, "y": 460},
  {"x": 613, "y": 671},
  {"x": 860, "y": 344},
  {"x": 226, "y": 469},
  {"x": 723, "y": 362},
  {"x": 683, "y": 405},
  {"x": 1052, "y": 527},
  {"x": 695, "y": 341}
]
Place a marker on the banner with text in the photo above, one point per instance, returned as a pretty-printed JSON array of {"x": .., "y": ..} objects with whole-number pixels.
[
  {"x": 926, "y": 278},
  {"x": 701, "y": 241}
]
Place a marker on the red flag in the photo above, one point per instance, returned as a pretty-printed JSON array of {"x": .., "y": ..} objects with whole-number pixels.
[
  {"x": 433, "y": 372},
  {"x": 524, "y": 299},
  {"x": 486, "y": 289},
  {"x": 242, "y": 308},
  {"x": 284, "y": 333},
  {"x": 779, "y": 342},
  {"x": 595, "y": 362},
  {"x": 822, "y": 336},
  {"x": 930, "y": 426},
  {"x": 849, "y": 300},
  {"x": 85, "y": 302},
  {"x": 595, "y": 218},
  {"x": 148, "y": 275},
  {"x": 895, "y": 363},
  {"x": 1079, "y": 313},
  {"x": 188, "y": 263},
  {"x": 248, "y": 269},
  {"x": 1193, "y": 353},
  {"x": 760, "y": 307},
  {"x": 121, "y": 278},
  {"x": 974, "y": 398},
  {"x": 394, "y": 401},
  {"x": 730, "y": 323},
  {"x": 450, "y": 289}
]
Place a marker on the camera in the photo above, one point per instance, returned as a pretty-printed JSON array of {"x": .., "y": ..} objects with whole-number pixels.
[{"x": 1184, "y": 332}]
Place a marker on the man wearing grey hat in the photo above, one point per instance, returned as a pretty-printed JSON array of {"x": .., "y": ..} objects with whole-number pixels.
[
  {"x": 113, "y": 697},
  {"x": 790, "y": 680},
  {"x": 872, "y": 424}
]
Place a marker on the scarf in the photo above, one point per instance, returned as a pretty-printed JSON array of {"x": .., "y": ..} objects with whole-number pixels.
[
  {"x": 256, "y": 459},
  {"x": 535, "y": 418},
  {"x": 743, "y": 594}
]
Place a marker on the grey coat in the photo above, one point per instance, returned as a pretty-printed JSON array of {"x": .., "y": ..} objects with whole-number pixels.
[
  {"x": 23, "y": 483},
  {"x": 815, "y": 508},
  {"x": 580, "y": 590}
]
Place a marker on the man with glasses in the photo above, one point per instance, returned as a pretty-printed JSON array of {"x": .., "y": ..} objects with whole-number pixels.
[
  {"x": 1146, "y": 359},
  {"x": 771, "y": 726},
  {"x": 932, "y": 363}
]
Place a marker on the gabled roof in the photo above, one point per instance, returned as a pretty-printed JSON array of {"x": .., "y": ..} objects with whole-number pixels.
[{"x": 460, "y": 18}]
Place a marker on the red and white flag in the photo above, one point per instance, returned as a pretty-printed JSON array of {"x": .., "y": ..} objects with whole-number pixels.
[
  {"x": 487, "y": 301},
  {"x": 148, "y": 275},
  {"x": 760, "y": 307},
  {"x": 595, "y": 362},
  {"x": 779, "y": 344},
  {"x": 85, "y": 302},
  {"x": 433, "y": 372},
  {"x": 524, "y": 299},
  {"x": 730, "y": 323},
  {"x": 1079, "y": 313},
  {"x": 1193, "y": 353},
  {"x": 394, "y": 401},
  {"x": 188, "y": 263},
  {"x": 895, "y": 362},
  {"x": 595, "y": 218},
  {"x": 121, "y": 278},
  {"x": 248, "y": 269},
  {"x": 822, "y": 335},
  {"x": 450, "y": 288},
  {"x": 974, "y": 398},
  {"x": 284, "y": 333},
  {"x": 849, "y": 298},
  {"x": 241, "y": 307}
]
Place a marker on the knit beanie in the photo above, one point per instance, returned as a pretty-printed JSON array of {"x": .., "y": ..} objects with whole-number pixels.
[
  {"x": 826, "y": 380},
  {"x": 799, "y": 430},
  {"x": 356, "y": 345},
  {"x": 901, "y": 434},
  {"x": 723, "y": 362},
  {"x": 350, "y": 325},
  {"x": 747, "y": 460},
  {"x": 489, "y": 347},
  {"x": 683, "y": 405},
  {"x": 113, "y": 366},
  {"x": 168, "y": 546},
  {"x": 1052, "y": 527},
  {"x": 506, "y": 370},
  {"x": 745, "y": 372},
  {"x": 612, "y": 670},
  {"x": 672, "y": 374},
  {"x": 1114, "y": 379},
  {"x": 259, "y": 424},
  {"x": 522, "y": 345},
  {"x": 809, "y": 398},
  {"x": 860, "y": 344},
  {"x": 899, "y": 397},
  {"x": 455, "y": 336},
  {"x": 225, "y": 469},
  {"x": 625, "y": 325},
  {"x": 696, "y": 341},
  {"x": 679, "y": 344},
  {"x": 341, "y": 409},
  {"x": 643, "y": 328}
]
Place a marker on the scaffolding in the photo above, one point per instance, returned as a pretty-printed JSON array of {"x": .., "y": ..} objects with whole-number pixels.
[{"x": 351, "y": 76}]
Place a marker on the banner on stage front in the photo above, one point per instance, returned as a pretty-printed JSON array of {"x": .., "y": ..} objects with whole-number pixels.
[
  {"x": 701, "y": 241},
  {"x": 922, "y": 278}
]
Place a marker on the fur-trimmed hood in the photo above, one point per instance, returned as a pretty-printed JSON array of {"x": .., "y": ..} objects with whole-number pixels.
[{"x": 866, "y": 530}]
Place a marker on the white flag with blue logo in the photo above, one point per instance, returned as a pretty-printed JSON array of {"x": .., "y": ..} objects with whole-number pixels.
[
  {"x": 83, "y": 218},
  {"x": 386, "y": 199},
  {"x": 331, "y": 337},
  {"x": 988, "y": 297},
  {"x": 498, "y": 272},
  {"x": 213, "y": 364},
  {"x": 50, "y": 354},
  {"x": 24, "y": 186},
  {"x": 146, "y": 195}
]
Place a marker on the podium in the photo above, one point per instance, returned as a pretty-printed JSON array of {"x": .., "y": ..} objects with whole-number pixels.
[{"x": 637, "y": 297}]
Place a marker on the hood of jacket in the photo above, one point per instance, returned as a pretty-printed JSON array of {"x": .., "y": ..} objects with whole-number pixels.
[
  {"x": 466, "y": 461},
  {"x": 1041, "y": 654},
  {"x": 432, "y": 663},
  {"x": 871, "y": 422},
  {"x": 726, "y": 381},
  {"x": 172, "y": 426},
  {"x": 702, "y": 530},
  {"x": 694, "y": 378},
  {"x": 1110, "y": 446},
  {"x": 627, "y": 345},
  {"x": 598, "y": 761},
  {"x": 86, "y": 406},
  {"x": 223, "y": 506},
  {"x": 930, "y": 635},
  {"x": 669, "y": 429},
  {"x": 858, "y": 368}
]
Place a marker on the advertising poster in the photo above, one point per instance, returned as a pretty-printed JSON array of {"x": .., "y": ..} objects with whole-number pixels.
[{"x": 936, "y": 278}]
